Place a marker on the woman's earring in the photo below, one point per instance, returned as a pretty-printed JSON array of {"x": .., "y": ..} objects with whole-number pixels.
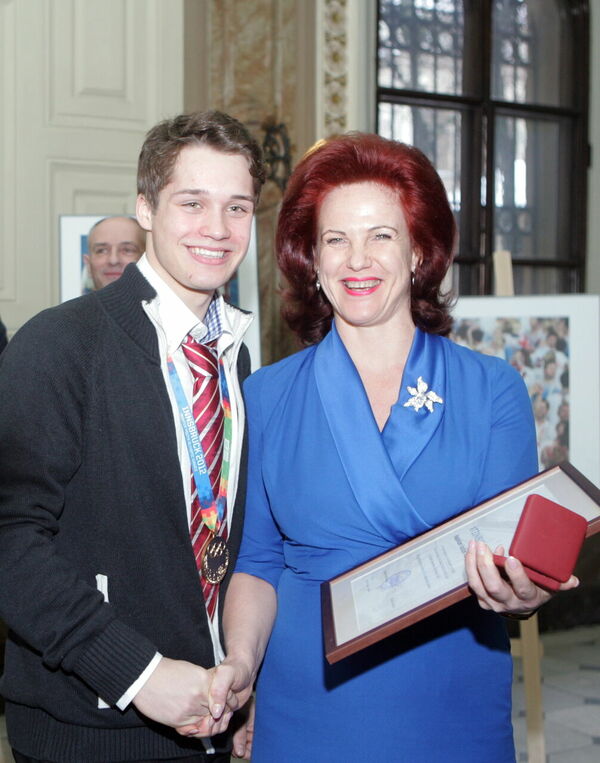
[
  {"x": 318, "y": 284},
  {"x": 412, "y": 279}
]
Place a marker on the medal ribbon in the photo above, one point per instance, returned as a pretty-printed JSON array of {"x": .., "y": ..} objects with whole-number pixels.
[{"x": 212, "y": 511}]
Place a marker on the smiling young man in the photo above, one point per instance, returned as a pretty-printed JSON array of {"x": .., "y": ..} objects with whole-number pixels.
[{"x": 120, "y": 507}]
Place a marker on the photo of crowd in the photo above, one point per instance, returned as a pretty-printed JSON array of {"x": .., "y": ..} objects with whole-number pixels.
[{"x": 539, "y": 350}]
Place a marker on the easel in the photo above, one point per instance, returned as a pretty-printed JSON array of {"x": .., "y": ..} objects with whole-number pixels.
[{"x": 528, "y": 646}]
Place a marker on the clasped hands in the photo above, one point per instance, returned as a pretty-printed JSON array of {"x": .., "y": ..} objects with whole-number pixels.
[{"x": 198, "y": 702}]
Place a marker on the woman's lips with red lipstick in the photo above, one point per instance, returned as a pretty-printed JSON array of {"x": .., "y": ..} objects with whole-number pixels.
[{"x": 361, "y": 286}]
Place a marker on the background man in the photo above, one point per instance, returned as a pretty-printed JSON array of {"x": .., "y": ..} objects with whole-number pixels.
[
  {"x": 113, "y": 243},
  {"x": 113, "y": 630}
]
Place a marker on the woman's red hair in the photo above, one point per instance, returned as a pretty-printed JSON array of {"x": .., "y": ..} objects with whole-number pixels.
[{"x": 359, "y": 158}]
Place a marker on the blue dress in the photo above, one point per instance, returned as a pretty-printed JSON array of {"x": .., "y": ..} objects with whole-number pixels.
[{"x": 327, "y": 490}]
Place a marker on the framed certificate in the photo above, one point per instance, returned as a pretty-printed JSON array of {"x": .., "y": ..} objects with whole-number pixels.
[{"x": 427, "y": 574}]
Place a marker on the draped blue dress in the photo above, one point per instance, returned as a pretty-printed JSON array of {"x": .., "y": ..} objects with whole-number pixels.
[{"x": 327, "y": 490}]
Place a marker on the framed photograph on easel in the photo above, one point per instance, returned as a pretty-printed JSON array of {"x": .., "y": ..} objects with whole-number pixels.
[{"x": 554, "y": 343}]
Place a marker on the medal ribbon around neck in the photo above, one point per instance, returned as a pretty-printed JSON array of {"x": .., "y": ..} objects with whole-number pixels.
[{"x": 212, "y": 511}]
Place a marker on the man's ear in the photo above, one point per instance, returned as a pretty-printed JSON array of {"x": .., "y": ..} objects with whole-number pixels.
[{"x": 143, "y": 212}]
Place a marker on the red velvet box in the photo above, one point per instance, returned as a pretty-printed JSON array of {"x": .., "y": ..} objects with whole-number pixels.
[{"x": 547, "y": 541}]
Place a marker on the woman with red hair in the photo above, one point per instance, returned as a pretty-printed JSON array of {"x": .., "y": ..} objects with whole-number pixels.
[{"x": 376, "y": 432}]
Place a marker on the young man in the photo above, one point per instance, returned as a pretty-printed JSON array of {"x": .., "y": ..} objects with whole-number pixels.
[
  {"x": 113, "y": 243},
  {"x": 111, "y": 567}
]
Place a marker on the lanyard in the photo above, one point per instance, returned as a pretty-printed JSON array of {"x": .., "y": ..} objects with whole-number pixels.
[{"x": 212, "y": 511}]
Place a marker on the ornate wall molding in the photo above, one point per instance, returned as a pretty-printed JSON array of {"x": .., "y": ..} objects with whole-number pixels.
[
  {"x": 335, "y": 66},
  {"x": 345, "y": 85}
]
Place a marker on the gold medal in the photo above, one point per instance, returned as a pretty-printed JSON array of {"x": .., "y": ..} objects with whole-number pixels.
[{"x": 215, "y": 560}]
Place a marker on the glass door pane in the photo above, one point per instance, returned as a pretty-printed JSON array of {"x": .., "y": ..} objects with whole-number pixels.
[
  {"x": 421, "y": 45},
  {"x": 532, "y": 52},
  {"x": 531, "y": 205},
  {"x": 437, "y": 132}
]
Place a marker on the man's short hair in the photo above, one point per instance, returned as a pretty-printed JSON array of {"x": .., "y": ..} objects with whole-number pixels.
[{"x": 215, "y": 129}]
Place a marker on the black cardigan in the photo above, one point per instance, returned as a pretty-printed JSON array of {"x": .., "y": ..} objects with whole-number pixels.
[{"x": 90, "y": 483}]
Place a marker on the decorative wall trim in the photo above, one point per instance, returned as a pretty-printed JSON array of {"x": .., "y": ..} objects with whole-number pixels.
[
  {"x": 345, "y": 97},
  {"x": 335, "y": 66},
  {"x": 71, "y": 127},
  {"x": 106, "y": 66}
]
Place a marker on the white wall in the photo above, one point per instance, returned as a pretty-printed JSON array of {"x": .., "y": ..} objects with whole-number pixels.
[{"x": 81, "y": 82}]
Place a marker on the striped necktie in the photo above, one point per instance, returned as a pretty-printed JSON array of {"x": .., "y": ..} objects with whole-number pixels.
[{"x": 208, "y": 414}]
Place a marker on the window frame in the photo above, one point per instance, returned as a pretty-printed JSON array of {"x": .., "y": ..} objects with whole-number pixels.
[{"x": 479, "y": 113}]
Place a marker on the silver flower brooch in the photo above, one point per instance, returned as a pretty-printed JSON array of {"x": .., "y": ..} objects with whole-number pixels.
[{"x": 422, "y": 397}]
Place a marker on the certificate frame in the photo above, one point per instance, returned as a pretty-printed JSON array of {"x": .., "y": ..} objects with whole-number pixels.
[{"x": 346, "y": 627}]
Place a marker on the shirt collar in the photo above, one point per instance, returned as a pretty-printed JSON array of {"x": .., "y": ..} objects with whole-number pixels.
[{"x": 174, "y": 316}]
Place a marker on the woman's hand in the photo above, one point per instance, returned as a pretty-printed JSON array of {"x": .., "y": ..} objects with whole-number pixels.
[
  {"x": 232, "y": 676},
  {"x": 514, "y": 594},
  {"x": 243, "y": 736},
  {"x": 248, "y": 616},
  {"x": 230, "y": 688},
  {"x": 177, "y": 694}
]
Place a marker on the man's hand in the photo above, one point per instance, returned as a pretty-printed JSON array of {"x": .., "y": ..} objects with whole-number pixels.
[
  {"x": 176, "y": 694},
  {"x": 514, "y": 594}
]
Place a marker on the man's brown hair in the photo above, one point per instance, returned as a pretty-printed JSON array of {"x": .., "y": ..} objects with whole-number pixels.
[{"x": 215, "y": 129}]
